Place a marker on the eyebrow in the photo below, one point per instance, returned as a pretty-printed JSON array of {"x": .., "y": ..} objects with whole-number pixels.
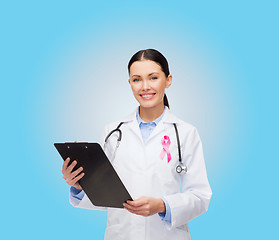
[{"x": 148, "y": 74}]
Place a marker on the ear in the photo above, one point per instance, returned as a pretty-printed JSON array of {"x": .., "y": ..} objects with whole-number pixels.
[
  {"x": 168, "y": 81},
  {"x": 129, "y": 81}
]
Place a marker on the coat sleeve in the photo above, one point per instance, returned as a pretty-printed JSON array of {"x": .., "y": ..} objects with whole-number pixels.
[
  {"x": 85, "y": 202},
  {"x": 194, "y": 198}
]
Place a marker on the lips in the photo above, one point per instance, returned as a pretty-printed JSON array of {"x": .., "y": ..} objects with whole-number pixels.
[{"x": 147, "y": 96}]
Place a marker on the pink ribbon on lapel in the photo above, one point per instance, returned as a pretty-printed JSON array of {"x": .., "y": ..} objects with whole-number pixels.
[{"x": 166, "y": 143}]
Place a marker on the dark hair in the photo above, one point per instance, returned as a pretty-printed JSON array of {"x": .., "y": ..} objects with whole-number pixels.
[{"x": 153, "y": 55}]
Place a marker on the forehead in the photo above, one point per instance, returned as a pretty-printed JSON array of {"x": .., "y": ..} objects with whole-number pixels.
[{"x": 144, "y": 67}]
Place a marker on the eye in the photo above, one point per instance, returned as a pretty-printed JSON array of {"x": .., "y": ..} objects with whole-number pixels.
[
  {"x": 153, "y": 78},
  {"x": 136, "y": 80}
]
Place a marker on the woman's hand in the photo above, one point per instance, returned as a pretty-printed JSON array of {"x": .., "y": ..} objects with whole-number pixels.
[
  {"x": 145, "y": 206},
  {"x": 71, "y": 177}
]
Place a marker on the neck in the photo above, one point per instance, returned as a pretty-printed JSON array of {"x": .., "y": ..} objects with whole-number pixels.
[{"x": 150, "y": 114}]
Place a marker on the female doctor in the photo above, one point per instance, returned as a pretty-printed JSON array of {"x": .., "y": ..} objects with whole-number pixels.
[{"x": 159, "y": 159}]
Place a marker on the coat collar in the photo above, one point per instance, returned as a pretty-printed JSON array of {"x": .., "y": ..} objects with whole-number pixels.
[
  {"x": 134, "y": 126},
  {"x": 167, "y": 118}
]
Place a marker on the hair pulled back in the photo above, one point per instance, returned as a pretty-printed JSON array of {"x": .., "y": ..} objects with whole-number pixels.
[{"x": 153, "y": 55}]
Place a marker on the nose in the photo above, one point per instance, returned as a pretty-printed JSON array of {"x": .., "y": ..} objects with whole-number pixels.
[{"x": 145, "y": 85}]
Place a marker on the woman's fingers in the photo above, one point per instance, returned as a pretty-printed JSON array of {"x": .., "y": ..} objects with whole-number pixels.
[
  {"x": 68, "y": 168},
  {"x": 75, "y": 173},
  {"x": 136, "y": 205},
  {"x": 76, "y": 179},
  {"x": 65, "y": 164},
  {"x": 145, "y": 206},
  {"x": 71, "y": 166},
  {"x": 138, "y": 202},
  {"x": 141, "y": 211},
  {"x": 70, "y": 176},
  {"x": 131, "y": 207}
]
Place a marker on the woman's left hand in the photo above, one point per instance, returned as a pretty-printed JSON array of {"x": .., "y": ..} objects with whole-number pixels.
[{"x": 145, "y": 206}]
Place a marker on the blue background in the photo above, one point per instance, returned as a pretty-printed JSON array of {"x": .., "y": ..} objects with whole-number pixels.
[{"x": 64, "y": 76}]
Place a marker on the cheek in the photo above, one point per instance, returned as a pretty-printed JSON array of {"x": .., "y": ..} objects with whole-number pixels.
[
  {"x": 134, "y": 89},
  {"x": 160, "y": 87}
]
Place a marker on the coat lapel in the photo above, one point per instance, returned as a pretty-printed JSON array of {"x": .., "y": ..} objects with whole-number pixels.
[
  {"x": 167, "y": 118},
  {"x": 158, "y": 129},
  {"x": 133, "y": 124}
]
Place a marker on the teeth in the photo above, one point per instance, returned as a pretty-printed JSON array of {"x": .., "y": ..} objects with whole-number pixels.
[{"x": 146, "y": 96}]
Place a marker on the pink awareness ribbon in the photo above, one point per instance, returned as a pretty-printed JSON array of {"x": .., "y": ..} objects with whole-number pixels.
[{"x": 166, "y": 143}]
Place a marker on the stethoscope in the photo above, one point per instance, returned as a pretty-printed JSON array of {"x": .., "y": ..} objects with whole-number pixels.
[{"x": 180, "y": 168}]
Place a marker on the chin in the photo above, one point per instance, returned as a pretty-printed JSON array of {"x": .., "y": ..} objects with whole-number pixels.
[{"x": 148, "y": 105}]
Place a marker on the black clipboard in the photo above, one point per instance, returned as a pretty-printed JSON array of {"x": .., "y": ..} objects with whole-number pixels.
[{"x": 101, "y": 182}]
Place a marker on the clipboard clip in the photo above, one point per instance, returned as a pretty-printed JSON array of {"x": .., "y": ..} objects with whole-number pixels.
[{"x": 75, "y": 142}]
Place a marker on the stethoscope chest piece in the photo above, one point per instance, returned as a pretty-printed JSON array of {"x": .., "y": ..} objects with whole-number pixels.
[{"x": 181, "y": 168}]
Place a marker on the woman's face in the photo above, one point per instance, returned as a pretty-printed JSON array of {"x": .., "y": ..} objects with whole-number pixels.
[{"x": 148, "y": 83}]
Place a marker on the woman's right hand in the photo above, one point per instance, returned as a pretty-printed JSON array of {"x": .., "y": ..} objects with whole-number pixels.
[{"x": 71, "y": 177}]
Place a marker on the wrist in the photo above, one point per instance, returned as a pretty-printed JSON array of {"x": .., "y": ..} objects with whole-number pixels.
[
  {"x": 78, "y": 188},
  {"x": 162, "y": 206}
]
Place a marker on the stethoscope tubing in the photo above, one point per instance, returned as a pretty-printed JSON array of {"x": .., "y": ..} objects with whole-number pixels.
[{"x": 115, "y": 130}]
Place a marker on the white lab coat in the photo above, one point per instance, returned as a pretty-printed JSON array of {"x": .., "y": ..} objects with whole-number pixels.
[{"x": 144, "y": 173}]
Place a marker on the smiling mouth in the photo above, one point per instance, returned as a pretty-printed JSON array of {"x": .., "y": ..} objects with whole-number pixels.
[{"x": 147, "y": 96}]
